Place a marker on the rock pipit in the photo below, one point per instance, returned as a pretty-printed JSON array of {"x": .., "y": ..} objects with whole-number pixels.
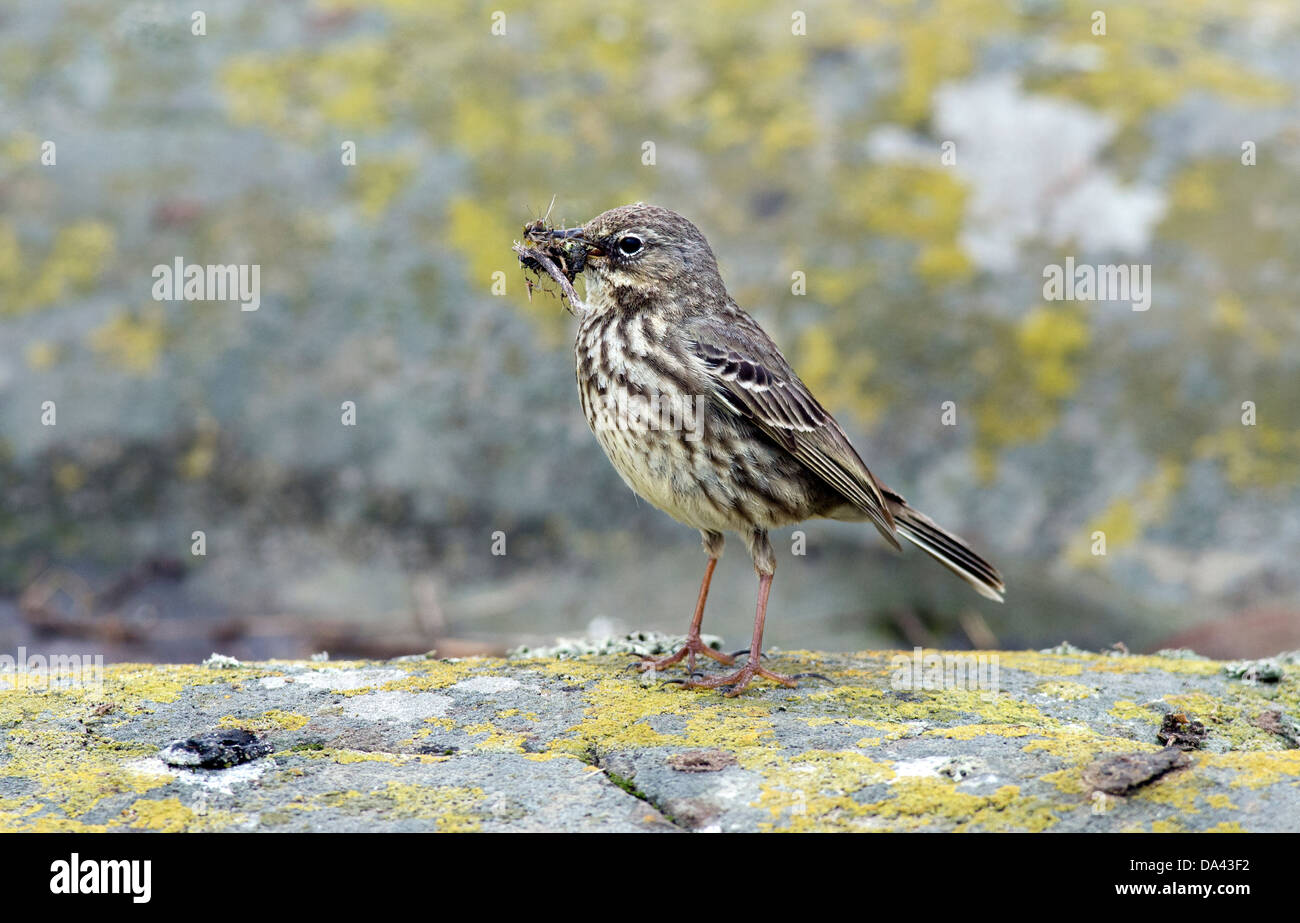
[{"x": 703, "y": 417}]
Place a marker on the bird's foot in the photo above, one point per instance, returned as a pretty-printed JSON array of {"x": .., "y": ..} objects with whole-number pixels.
[
  {"x": 736, "y": 682},
  {"x": 689, "y": 650}
]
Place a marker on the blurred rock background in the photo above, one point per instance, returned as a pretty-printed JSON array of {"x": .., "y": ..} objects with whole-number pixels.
[{"x": 816, "y": 153}]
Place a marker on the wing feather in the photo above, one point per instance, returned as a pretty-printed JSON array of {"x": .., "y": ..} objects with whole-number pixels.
[{"x": 750, "y": 376}]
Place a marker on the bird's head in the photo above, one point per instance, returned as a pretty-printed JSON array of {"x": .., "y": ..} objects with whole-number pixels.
[{"x": 646, "y": 249}]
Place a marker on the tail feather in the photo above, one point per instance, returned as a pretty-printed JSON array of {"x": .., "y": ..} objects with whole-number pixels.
[{"x": 948, "y": 550}]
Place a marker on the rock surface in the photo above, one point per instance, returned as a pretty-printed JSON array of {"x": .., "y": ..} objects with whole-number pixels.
[{"x": 534, "y": 744}]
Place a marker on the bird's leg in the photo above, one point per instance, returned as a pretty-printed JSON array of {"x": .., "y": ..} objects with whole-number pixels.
[
  {"x": 694, "y": 645},
  {"x": 753, "y": 666},
  {"x": 765, "y": 564}
]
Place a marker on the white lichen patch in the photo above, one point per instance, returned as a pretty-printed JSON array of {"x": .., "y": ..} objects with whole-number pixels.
[
  {"x": 342, "y": 680},
  {"x": 487, "y": 685},
  {"x": 221, "y": 780},
  {"x": 947, "y": 767},
  {"x": 399, "y": 706}
]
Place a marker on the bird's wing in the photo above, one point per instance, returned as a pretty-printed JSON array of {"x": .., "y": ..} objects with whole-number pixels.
[{"x": 751, "y": 378}]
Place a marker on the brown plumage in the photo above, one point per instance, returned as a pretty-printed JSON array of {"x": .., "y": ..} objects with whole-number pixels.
[{"x": 749, "y": 448}]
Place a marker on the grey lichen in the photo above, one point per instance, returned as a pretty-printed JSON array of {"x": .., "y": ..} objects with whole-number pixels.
[
  {"x": 1255, "y": 671},
  {"x": 639, "y": 643},
  {"x": 221, "y": 662}
]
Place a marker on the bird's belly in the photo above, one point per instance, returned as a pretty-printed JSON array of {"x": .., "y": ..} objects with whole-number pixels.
[
  {"x": 683, "y": 452},
  {"x": 663, "y": 468}
]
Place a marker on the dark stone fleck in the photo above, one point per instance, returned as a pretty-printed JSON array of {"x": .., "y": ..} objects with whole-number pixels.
[
  {"x": 1283, "y": 725},
  {"x": 215, "y": 750},
  {"x": 701, "y": 760},
  {"x": 1119, "y": 775},
  {"x": 1181, "y": 731},
  {"x": 692, "y": 813}
]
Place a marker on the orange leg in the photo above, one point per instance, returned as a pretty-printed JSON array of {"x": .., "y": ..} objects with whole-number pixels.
[
  {"x": 693, "y": 643},
  {"x": 741, "y": 678}
]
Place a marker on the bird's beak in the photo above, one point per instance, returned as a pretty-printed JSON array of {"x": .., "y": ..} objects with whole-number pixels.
[{"x": 578, "y": 235}]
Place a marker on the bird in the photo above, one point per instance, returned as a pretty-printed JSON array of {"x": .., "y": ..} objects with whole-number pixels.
[{"x": 703, "y": 417}]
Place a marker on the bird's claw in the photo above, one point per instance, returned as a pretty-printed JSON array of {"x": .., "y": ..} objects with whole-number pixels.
[
  {"x": 690, "y": 649},
  {"x": 682, "y": 682},
  {"x": 820, "y": 676},
  {"x": 735, "y": 683}
]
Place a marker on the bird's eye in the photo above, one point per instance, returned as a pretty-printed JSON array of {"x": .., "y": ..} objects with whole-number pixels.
[{"x": 630, "y": 244}]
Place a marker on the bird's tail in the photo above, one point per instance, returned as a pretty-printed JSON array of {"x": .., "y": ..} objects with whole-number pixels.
[{"x": 947, "y": 549}]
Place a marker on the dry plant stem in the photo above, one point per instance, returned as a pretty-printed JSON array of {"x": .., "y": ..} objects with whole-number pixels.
[{"x": 575, "y": 304}]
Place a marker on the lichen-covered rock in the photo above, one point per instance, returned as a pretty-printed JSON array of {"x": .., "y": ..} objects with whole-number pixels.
[{"x": 581, "y": 744}]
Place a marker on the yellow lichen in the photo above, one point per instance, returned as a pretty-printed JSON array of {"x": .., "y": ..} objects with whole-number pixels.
[
  {"x": 496, "y": 740},
  {"x": 455, "y": 809},
  {"x": 1125, "y": 710},
  {"x": 72, "y": 773},
  {"x": 1257, "y": 769},
  {"x": 272, "y": 720},
  {"x": 921, "y": 803},
  {"x": 345, "y": 756},
  {"x": 1066, "y": 691},
  {"x": 1226, "y": 826}
]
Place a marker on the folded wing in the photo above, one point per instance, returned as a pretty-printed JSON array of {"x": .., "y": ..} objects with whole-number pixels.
[{"x": 751, "y": 378}]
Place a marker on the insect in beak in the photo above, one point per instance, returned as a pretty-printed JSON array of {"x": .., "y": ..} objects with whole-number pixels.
[{"x": 577, "y": 235}]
